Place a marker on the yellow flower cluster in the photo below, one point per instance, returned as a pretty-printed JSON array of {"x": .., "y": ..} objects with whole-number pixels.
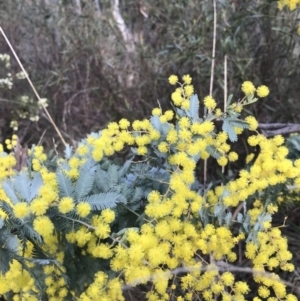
[
  {"x": 11, "y": 143},
  {"x": 271, "y": 168},
  {"x": 38, "y": 157},
  {"x": 18, "y": 281},
  {"x": 291, "y": 4},
  {"x": 172, "y": 236},
  {"x": 249, "y": 89}
]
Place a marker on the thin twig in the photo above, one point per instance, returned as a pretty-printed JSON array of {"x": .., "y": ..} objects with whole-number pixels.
[
  {"x": 237, "y": 210},
  {"x": 225, "y": 92},
  {"x": 212, "y": 71},
  {"x": 33, "y": 88}
]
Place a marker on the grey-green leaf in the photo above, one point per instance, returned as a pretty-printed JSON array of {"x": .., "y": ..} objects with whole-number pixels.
[
  {"x": 102, "y": 201},
  {"x": 35, "y": 185},
  {"x": 229, "y": 129},
  {"x": 9, "y": 190},
  {"x": 22, "y": 186},
  {"x": 85, "y": 181},
  {"x": 194, "y": 107},
  {"x": 65, "y": 185}
]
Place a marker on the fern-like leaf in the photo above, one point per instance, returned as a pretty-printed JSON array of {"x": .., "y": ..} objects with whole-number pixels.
[
  {"x": 12, "y": 243},
  {"x": 229, "y": 129},
  {"x": 35, "y": 185},
  {"x": 194, "y": 107},
  {"x": 213, "y": 151},
  {"x": 65, "y": 185},
  {"x": 9, "y": 190},
  {"x": 101, "y": 179},
  {"x": 68, "y": 151},
  {"x": 4, "y": 260},
  {"x": 102, "y": 201},
  {"x": 22, "y": 186},
  {"x": 137, "y": 195},
  {"x": 113, "y": 176},
  {"x": 85, "y": 180},
  {"x": 155, "y": 121},
  {"x": 238, "y": 123}
]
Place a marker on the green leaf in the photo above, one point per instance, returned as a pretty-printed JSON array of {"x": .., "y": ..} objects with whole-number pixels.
[
  {"x": 155, "y": 121},
  {"x": 238, "y": 123},
  {"x": 137, "y": 195},
  {"x": 101, "y": 179},
  {"x": 229, "y": 99},
  {"x": 35, "y": 185},
  {"x": 240, "y": 217},
  {"x": 12, "y": 243},
  {"x": 229, "y": 129},
  {"x": 85, "y": 180},
  {"x": 194, "y": 107},
  {"x": 213, "y": 151},
  {"x": 4, "y": 260},
  {"x": 9, "y": 190},
  {"x": 165, "y": 128},
  {"x": 102, "y": 201},
  {"x": 68, "y": 151},
  {"x": 22, "y": 186},
  {"x": 31, "y": 233},
  {"x": 228, "y": 218},
  {"x": 112, "y": 176},
  {"x": 65, "y": 185}
]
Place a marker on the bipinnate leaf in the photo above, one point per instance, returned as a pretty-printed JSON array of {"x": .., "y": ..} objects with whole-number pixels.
[
  {"x": 65, "y": 185},
  {"x": 229, "y": 129},
  {"x": 68, "y": 151},
  {"x": 214, "y": 152},
  {"x": 12, "y": 243},
  {"x": 35, "y": 185},
  {"x": 9, "y": 190},
  {"x": 22, "y": 186},
  {"x": 112, "y": 176},
  {"x": 194, "y": 107},
  {"x": 102, "y": 201},
  {"x": 156, "y": 123},
  {"x": 4, "y": 260},
  {"x": 85, "y": 180}
]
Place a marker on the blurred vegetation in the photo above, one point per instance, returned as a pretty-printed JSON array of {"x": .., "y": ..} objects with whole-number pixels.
[{"x": 79, "y": 60}]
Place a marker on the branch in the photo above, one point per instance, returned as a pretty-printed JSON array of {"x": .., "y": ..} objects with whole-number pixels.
[
  {"x": 127, "y": 35},
  {"x": 222, "y": 267},
  {"x": 273, "y": 129}
]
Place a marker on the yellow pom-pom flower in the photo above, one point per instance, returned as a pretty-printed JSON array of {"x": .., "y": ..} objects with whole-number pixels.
[
  {"x": 39, "y": 206},
  {"x": 108, "y": 215},
  {"x": 188, "y": 90},
  {"x": 209, "y": 102},
  {"x": 124, "y": 124},
  {"x": 102, "y": 230},
  {"x": 156, "y": 111},
  {"x": 173, "y": 79},
  {"x": 43, "y": 225},
  {"x": 83, "y": 209},
  {"x": 187, "y": 79},
  {"x": 233, "y": 156},
  {"x": 253, "y": 124},
  {"x": 262, "y": 91},
  {"x": 66, "y": 205},
  {"x": 248, "y": 88},
  {"x": 21, "y": 210}
]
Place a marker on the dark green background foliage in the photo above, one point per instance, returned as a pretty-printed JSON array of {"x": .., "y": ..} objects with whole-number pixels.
[{"x": 90, "y": 75}]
